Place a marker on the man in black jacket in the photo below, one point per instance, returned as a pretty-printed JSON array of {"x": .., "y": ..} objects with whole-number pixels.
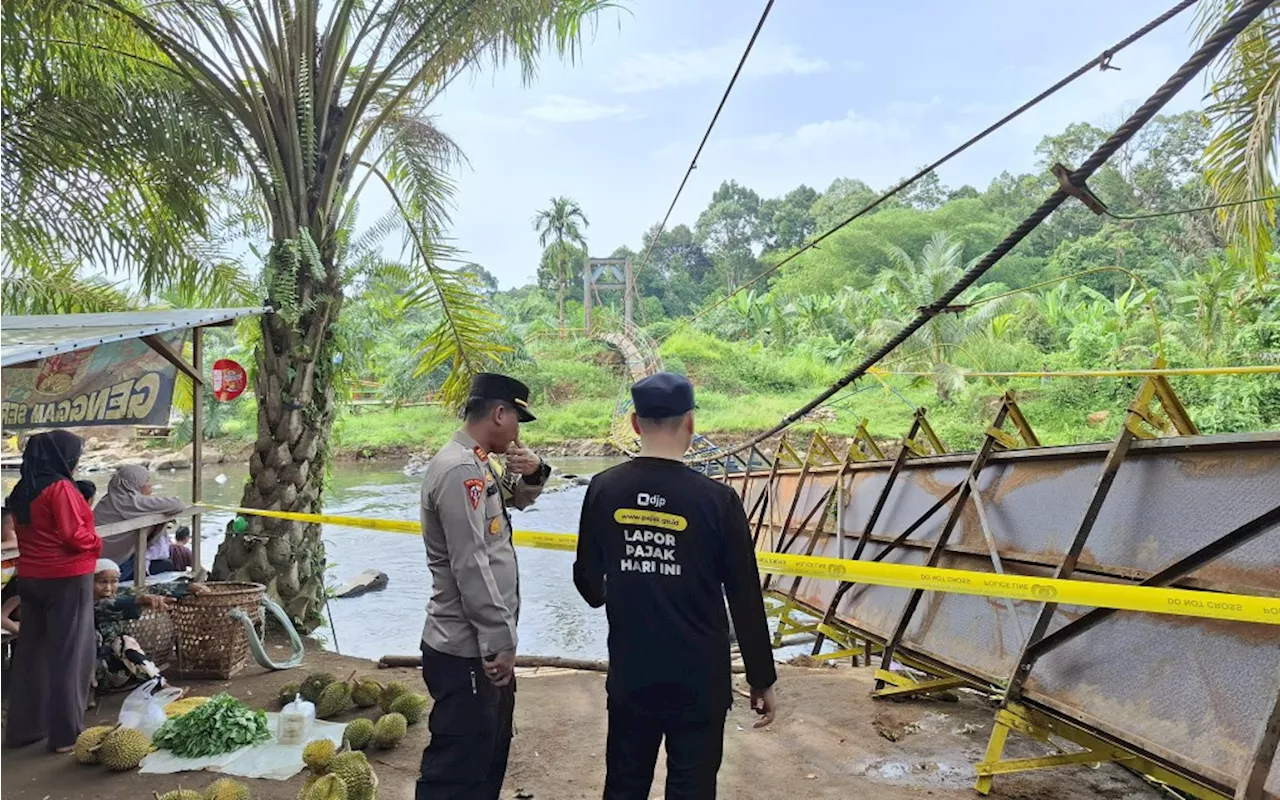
[{"x": 661, "y": 547}]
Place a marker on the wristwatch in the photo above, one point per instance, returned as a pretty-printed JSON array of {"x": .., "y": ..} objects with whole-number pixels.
[{"x": 540, "y": 477}]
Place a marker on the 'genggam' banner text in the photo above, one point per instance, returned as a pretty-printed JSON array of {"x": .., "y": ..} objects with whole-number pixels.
[{"x": 117, "y": 383}]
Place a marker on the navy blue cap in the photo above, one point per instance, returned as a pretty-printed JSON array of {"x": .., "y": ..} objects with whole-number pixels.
[
  {"x": 492, "y": 386},
  {"x": 663, "y": 395}
]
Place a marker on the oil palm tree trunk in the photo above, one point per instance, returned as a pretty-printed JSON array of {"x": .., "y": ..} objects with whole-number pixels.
[{"x": 287, "y": 471}]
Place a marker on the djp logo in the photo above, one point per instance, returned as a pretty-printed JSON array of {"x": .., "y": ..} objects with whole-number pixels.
[{"x": 645, "y": 500}]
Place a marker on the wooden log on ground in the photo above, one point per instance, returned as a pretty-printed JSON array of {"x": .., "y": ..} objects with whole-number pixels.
[
  {"x": 799, "y": 638},
  {"x": 583, "y": 664}
]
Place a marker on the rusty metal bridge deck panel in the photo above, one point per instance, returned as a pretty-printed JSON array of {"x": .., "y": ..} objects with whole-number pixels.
[{"x": 1192, "y": 693}]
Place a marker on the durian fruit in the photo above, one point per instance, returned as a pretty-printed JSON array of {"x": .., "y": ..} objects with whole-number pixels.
[
  {"x": 88, "y": 740},
  {"x": 365, "y": 692},
  {"x": 226, "y": 789},
  {"x": 315, "y": 683},
  {"x": 335, "y": 699},
  {"x": 124, "y": 748},
  {"x": 306, "y": 786},
  {"x": 288, "y": 693},
  {"x": 181, "y": 794},
  {"x": 412, "y": 705},
  {"x": 354, "y": 770},
  {"x": 318, "y": 754},
  {"x": 328, "y": 787},
  {"x": 389, "y": 730},
  {"x": 359, "y": 733},
  {"x": 389, "y": 694}
]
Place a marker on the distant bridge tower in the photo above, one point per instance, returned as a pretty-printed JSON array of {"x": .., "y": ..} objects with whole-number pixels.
[{"x": 604, "y": 274}]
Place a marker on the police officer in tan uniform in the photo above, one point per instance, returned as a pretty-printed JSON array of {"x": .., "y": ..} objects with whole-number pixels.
[{"x": 469, "y": 641}]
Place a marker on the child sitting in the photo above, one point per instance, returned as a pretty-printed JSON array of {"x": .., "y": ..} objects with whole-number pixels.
[{"x": 88, "y": 490}]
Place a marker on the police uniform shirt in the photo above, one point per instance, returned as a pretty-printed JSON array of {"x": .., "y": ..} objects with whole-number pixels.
[
  {"x": 475, "y": 600},
  {"x": 661, "y": 547}
]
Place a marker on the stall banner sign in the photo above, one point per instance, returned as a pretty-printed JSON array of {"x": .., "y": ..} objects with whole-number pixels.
[{"x": 116, "y": 383}]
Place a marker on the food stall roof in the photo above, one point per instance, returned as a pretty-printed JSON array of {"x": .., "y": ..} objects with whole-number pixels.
[{"x": 31, "y": 338}]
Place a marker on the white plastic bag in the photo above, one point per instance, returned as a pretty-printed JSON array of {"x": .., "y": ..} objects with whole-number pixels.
[
  {"x": 143, "y": 709},
  {"x": 296, "y": 720}
]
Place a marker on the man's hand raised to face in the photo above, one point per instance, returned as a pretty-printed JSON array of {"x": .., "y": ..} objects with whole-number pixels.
[{"x": 522, "y": 460}]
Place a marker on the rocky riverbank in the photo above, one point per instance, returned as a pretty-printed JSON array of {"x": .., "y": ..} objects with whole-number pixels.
[{"x": 112, "y": 449}]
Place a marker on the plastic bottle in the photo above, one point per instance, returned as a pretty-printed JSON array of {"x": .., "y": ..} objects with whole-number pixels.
[{"x": 296, "y": 720}]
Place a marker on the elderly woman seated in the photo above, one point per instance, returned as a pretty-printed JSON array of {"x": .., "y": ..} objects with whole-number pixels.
[
  {"x": 121, "y": 660},
  {"x": 129, "y": 497}
]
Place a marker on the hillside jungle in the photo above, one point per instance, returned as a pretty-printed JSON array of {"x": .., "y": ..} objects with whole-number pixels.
[{"x": 1083, "y": 292}]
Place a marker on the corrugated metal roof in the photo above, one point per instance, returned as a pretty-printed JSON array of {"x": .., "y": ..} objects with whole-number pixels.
[{"x": 31, "y": 338}]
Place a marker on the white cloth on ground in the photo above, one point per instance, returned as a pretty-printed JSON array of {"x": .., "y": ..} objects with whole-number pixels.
[{"x": 270, "y": 759}]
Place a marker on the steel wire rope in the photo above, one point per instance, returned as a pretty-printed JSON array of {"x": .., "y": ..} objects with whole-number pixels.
[
  {"x": 1212, "y": 46},
  {"x": 1102, "y": 60},
  {"x": 693, "y": 164},
  {"x": 1176, "y": 211}
]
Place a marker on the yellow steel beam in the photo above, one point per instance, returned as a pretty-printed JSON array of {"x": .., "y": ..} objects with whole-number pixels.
[
  {"x": 1046, "y": 762},
  {"x": 902, "y": 686},
  {"x": 1040, "y": 726}
]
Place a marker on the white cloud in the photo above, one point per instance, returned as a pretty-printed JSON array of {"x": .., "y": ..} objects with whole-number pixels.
[
  {"x": 913, "y": 108},
  {"x": 561, "y": 108},
  {"x": 849, "y": 129},
  {"x": 647, "y": 72}
]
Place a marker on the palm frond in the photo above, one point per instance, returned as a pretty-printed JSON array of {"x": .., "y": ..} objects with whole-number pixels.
[
  {"x": 469, "y": 336},
  {"x": 1242, "y": 161},
  {"x": 107, "y": 151},
  {"x": 59, "y": 289}
]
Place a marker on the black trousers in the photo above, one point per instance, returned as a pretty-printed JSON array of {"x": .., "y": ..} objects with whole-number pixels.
[
  {"x": 53, "y": 662},
  {"x": 694, "y": 750},
  {"x": 471, "y": 723}
]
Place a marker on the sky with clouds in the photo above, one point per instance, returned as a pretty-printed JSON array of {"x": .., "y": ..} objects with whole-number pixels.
[{"x": 833, "y": 88}]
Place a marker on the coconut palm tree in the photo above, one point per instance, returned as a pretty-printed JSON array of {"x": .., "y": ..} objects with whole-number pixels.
[
  {"x": 1242, "y": 161},
  {"x": 914, "y": 282},
  {"x": 315, "y": 102},
  {"x": 559, "y": 224}
]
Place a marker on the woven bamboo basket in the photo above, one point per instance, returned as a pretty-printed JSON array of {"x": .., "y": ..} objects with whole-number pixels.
[
  {"x": 155, "y": 634},
  {"x": 210, "y": 643}
]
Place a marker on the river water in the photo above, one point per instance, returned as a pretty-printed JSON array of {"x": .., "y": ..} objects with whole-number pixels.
[{"x": 553, "y": 618}]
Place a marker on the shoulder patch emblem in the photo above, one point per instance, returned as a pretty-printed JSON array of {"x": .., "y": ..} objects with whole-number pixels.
[{"x": 475, "y": 490}]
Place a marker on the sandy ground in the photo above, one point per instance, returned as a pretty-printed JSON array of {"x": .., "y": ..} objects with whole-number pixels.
[{"x": 831, "y": 740}]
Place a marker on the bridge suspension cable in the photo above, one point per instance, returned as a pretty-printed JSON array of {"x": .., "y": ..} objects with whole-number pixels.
[
  {"x": 1102, "y": 61},
  {"x": 693, "y": 164},
  {"x": 1212, "y": 46}
]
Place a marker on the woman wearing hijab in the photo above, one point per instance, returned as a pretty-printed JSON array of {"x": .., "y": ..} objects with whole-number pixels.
[
  {"x": 54, "y": 659},
  {"x": 129, "y": 497},
  {"x": 121, "y": 660}
]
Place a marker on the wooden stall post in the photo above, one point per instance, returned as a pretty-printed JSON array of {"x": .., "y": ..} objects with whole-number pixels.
[{"x": 197, "y": 446}]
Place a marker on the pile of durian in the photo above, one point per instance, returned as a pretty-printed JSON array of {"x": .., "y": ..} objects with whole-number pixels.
[
  {"x": 221, "y": 789},
  {"x": 400, "y": 705},
  {"x": 116, "y": 748},
  {"x": 337, "y": 775}
]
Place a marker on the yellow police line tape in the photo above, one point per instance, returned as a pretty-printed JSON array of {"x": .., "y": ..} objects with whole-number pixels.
[{"x": 1181, "y": 602}]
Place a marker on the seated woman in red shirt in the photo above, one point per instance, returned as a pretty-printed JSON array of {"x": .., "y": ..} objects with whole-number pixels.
[{"x": 54, "y": 658}]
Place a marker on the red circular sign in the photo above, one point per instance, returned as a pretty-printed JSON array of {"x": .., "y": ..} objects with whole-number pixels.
[{"x": 229, "y": 379}]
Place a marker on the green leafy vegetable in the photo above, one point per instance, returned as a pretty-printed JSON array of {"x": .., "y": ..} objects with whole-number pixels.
[{"x": 219, "y": 726}]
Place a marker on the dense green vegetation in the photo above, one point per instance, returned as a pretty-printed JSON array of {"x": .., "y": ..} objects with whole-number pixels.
[{"x": 1100, "y": 293}]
